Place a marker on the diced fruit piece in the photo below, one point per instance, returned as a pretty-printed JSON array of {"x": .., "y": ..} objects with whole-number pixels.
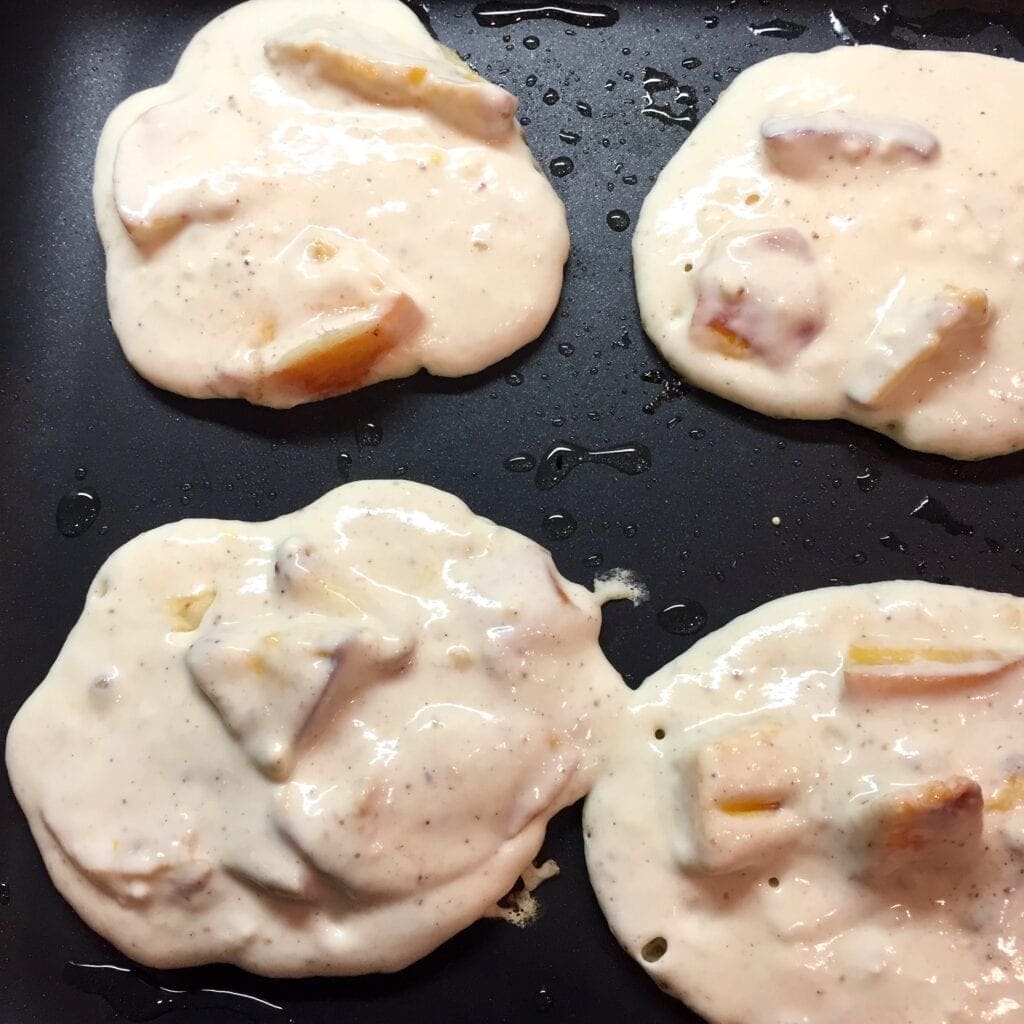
[
  {"x": 126, "y": 864},
  {"x": 397, "y": 72},
  {"x": 740, "y": 797},
  {"x": 417, "y": 814},
  {"x": 1008, "y": 797},
  {"x": 931, "y": 827},
  {"x": 760, "y": 294},
  {"x": 806, "y": 146},
  {"x": 187, "y": 610},
  {"x": 301, "y": 574},
  {"x": 338, "y": 359},
  {"x": 324, "y": 330},
  {"x": 161, "y": 185},
  {"x": 914, "y": 322},
  {"x": 271, "y": 676},
  {"x": 879, "y": 670}
]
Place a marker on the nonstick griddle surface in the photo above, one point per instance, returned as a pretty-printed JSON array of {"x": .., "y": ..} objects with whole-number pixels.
[{"x": 696, "y": 526}]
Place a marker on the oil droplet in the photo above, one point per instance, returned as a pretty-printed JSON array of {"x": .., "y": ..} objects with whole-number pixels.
[
  {"x": 691, "y": 63},
  {"x": 561, "y": 166},
  {"x": 584, "y": 109},
  {"x": 531, "y": 80},
  {"x": 559, "y": 526},
  {"x": 521, "y": 463},
  {"x": 630, "y": 529},
  {"x": 76, "y": 512},
  {"x": 550, "y": 97},
  {"x": 711, "y": 21},
  {"x": 5, "y": 894},
  {"x": 808, "y": 544},
  {"x": 893, "y": 543},
  {"x": 562, "y": 458},
  {"x": 684, "y": 618},
  {"x": 931, "y": 510},
  {"x": 531, "y": 42},
  {"x": 779, "y": 28},
  {"x": 566, "y": 349},
  {"x": 513, "y": 379},
  {"x": 498, "y": 15},
  {"x": 618, "y": 220},
  {"x": 368, "y": 434},
  {"x": 544, "y": 1001},
  {"x": 80, "y": 473},
  {"x": 859, "y": 558},
  {"x": 697, "y": 434},
  {"x": 666, "y": 100},
  {"x": 569, "y": 138},
  {"x": 344, "y": 466},
  {"x": 868, "y": 479}
]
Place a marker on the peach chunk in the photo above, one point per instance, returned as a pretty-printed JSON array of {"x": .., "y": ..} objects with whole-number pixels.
[
  {"x": 741, "y": 794},
  {"x": 270, "y": 676},
  {"x": 760, "y": 294},
  {"x": 811, "y": 145},
  {"x": 161, "y": 185},
  {"x": 382, "y": 68},
  {"x": 879, "y": 670},
  {"x": 131, "y": 863},
  {"x": 913, "y": 324},
  {"x": 339, "y": 358},
  {"x": 187, "y": 610},
  {"x": 933, "y": 826}
]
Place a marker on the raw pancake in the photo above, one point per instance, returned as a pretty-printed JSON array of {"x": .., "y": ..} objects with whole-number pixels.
[
  {"x": 317, "y": 745},
  {"x": 817, "y": 813},
  {"x": 320, "y": 198},
  {"x": 843, "y": 236}
]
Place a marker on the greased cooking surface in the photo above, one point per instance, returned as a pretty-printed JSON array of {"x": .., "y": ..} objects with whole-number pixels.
[{"x": 838, "y": 490}]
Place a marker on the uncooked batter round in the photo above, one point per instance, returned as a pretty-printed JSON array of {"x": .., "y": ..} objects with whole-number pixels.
[
  {"x": 843, "y": 236},
  {"x": 320, "y": 198},
  {"x": 317, "y": 745},
  {"x": 817, "y": 813}
]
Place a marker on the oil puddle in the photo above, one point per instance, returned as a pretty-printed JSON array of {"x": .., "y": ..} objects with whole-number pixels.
[
  {"x": 885, "y": 24},
  {"x": 76, "y": 512},
  {"x": 135, "y": 999},
  {"x": 931, "y": 510},
  {"x": 562, "y": 458},
  {"x": 778, "y": 28},
  {"x": 496, "y": 15},
  {"x": 668, "y": 101},
  {"x": 671, "y": 389}
]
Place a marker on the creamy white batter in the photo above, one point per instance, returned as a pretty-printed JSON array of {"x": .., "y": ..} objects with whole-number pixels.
[
  {"x": 317, "y": 745},
  {"x": 817, "y": 813},
  {"x": 843, "y": 236},
  {"x": 320, "y": 198}
]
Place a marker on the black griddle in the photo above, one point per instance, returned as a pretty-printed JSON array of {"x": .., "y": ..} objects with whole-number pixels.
[{"x": 696, "y": 525}]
